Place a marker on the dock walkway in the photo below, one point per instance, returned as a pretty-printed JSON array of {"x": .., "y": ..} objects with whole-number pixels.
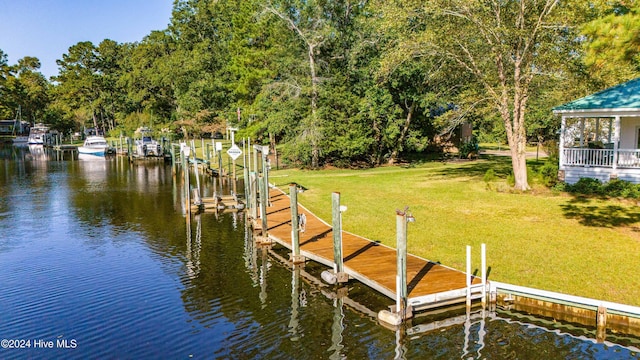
[{"x": 429, "y": 284}]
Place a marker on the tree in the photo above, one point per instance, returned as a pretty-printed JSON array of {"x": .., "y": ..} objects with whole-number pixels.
[
  {"x": 612, "y": 47},
  {"x": 504, "y": 46},
  {"x": 78, "y": 86},
  {"x": 31, "y": 89},
  {"x": 306, "y": 19},
  {"x": 147, "y": 77}
]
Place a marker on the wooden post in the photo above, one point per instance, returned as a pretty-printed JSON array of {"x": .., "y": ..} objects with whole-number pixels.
[
  {"x": 263, "y": 205},
  {"x": 401, "y": 261},
  {"x": 129, "y": 149},
  {"x": 483, "y": 261},
  {"x": 248, "y": 154},
  {"x": 197, "y": 192},
  {"x": 338, "y": 267},
  {"x": 601, "y": 324},
  {"x": 468, "y": 276},
  {"x": 295, "y": 233},
  {"x": 255, "y": 160},
  {"x": 245, "y": 173},
  {"x": 187, "y": 185},
  {"x": 254, "y": 194},
  {"x": 265, "y": 171},
  {"x": 219, "y": 152},
  {"x": 233, "y": 179}
]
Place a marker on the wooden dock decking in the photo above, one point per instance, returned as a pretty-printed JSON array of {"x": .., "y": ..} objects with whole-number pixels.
[{"x": 429, "y": 284}]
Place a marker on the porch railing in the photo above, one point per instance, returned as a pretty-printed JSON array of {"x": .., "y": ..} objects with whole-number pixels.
[{"x": 627, "y": 158}]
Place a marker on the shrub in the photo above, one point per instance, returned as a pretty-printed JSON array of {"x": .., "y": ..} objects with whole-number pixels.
[
  {"x": 468, "y": 148},
  {"x": 549, "y": 173},
  {"x": 489, "y": 176},
  {"x": 560, "y": 187},
  {"x": 621, "y": 188},
  {"x": 586, "y": 186}
]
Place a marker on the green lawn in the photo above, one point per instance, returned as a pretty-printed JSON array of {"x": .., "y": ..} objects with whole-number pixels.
[{"x": 557, "y": 242}]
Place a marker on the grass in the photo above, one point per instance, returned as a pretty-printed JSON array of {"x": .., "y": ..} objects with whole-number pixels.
[{"x": 552, "y": 241}]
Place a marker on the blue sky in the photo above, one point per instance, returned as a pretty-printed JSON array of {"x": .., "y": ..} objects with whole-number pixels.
[{"x": 47, "y": 28}]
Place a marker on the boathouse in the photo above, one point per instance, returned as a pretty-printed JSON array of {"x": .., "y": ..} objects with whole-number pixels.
[{"x": 600, "y": 135}]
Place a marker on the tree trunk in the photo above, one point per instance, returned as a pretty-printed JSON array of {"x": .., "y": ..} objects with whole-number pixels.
[
  {"x": 313, "y": 130},
  {"x": 95, "y": 121},
  {"x": 516, "y": 136}
]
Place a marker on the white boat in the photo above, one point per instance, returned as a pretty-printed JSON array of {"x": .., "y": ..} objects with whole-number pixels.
[
  {"x": 37, "y": 134},
  {"x": 95, "y": 145},
  {"x": 21, "y": 140},
  {"x": 146, "y": 145}
]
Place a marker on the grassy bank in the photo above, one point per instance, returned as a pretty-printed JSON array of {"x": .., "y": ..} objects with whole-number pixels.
[{"x": 578, "y": 246}]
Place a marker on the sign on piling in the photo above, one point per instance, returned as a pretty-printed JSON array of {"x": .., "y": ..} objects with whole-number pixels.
[{"x": 234, "y": 152}]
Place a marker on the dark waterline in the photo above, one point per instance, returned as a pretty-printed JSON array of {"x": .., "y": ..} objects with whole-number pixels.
[{"x": 98, "y": 256}]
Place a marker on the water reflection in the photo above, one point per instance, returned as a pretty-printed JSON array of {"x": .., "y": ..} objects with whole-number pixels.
[{"x": 110, "y": 260}]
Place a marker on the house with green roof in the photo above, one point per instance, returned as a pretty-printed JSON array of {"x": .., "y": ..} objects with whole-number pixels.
[{"x": 600, "y": 135}]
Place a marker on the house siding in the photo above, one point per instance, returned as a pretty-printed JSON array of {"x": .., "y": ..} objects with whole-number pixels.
[{"x": 628, "y": 130}]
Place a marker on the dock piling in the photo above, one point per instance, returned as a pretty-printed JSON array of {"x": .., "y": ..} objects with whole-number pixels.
[
  {"x": 336, "y": 211},
  {"x": 295, "y": 233},
  {"x": 401, "y": 280},
  {"x": 601, "y": 324},
  {"x": 468, "y": 276},
  {"x": 483, "y": 264},
  {"x": 400, "y": 311},
  {"x": 264, "y": 195},
  {"x": 185, "y": 168}
]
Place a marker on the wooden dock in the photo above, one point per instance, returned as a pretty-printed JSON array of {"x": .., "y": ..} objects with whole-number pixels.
[{"x": 429, "y": 284}]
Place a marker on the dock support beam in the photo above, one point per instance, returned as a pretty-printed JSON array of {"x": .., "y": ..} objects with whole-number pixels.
[
  {"x": 468, "y": 276},
  {"x": 483, "y": 264},
  {"x": 601, "y": 324},
  {"x": 296, "y": 258},
  {"x": 400, "y": 311},
  {"x": 264, "y": 195},
  {"x": 401, "y": 277},
  {"x": 185, "y": 151},
  {"x": 245, "y": 174},
  {"x": 336, "y": 212}
]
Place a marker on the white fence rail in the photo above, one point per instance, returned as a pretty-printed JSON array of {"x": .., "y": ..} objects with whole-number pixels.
[
  {"x": 588, "y": 157},
  {"x": 627, "y": 158}
]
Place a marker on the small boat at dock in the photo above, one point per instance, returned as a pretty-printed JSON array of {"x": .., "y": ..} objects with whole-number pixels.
[
  {"x": 146, "y": 146},
  {"x": 37, "y": 134},
  {"x": 95, "y": 145}
]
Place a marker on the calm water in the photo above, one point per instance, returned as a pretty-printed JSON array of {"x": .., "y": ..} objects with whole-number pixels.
[{"x": 97, "y": 260}]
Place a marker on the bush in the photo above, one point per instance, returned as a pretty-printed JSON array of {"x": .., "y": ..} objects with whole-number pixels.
[
  {"x": 586, "y": 186},
  {"x": 621, "y": 188},
  {"x": 489, "y": 176},
  {"x": 549, "y": 173},
  {"x": 560, "y": 186},
  {"x": 614, "y": 188},
  {"x": 468, "y": 148}
]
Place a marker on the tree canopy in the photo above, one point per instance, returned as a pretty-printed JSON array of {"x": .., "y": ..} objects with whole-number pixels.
[{"x": 342, "y": 82}]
